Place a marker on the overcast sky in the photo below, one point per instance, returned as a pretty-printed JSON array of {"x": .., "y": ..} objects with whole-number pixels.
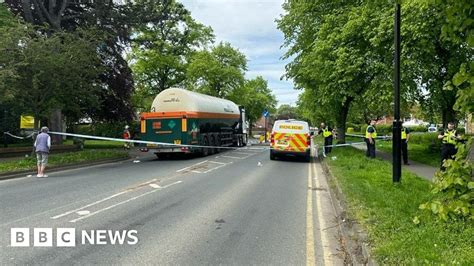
[{"x": 250, "y": 26}]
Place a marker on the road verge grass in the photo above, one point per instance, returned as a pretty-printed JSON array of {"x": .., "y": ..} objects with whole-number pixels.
[
  {"x": 62, "y": 159},
  {"x": 386, "y": 211}
]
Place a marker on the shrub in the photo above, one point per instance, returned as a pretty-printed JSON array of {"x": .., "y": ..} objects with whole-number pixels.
[
  {"x": 111, "y": 130},
  {"x": 381, "y": 129},
  {"x": 418, "y": 129},
  {"x": 453, "y": 189}
]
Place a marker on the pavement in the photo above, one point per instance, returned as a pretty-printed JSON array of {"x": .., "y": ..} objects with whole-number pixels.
[
  {"x": 422, "y": 170},
  {"x": 235, "y": 207}
]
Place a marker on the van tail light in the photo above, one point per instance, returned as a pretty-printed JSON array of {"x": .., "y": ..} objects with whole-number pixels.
[
  {"x": 272, "y": 138},
  {"x": 308, "y": 139}
]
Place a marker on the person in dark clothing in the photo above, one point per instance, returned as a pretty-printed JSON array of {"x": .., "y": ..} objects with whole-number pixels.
[
  {"x": 405, "y": 138},
  {"x": 449, "y": 138},
  {"x": 370, "y": 136},
  {"x": 328, "y": 137}
]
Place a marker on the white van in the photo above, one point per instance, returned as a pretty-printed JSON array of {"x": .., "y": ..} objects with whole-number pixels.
[{"x": 290, "y": 137}]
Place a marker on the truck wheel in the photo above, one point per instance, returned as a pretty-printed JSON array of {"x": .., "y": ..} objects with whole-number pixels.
[
  {"x": 244, "y": 140},
  {"x": 217, "y": 143},
  {"x": 272, "y": 155},
  {"x": 205, "y": 151},
  {"x": 212, "y": 142}
]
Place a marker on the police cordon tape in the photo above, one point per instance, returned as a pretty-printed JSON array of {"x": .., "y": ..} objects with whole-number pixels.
[
  {"x": 181, "y": 145},
  {"x": 19, "y": 137},
  {"x": 147, "y": 142}
]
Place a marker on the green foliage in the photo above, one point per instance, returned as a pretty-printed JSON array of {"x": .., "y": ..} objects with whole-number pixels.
[
  {"x": 286, "y": 111},
  {"x": 381, "y": 129},
  {"x": 42, "y": 72},
  {"x": 111, "y": 130},
  {"x": 339, "y": 52},
  {"x": 386, "y": 211},
  {"x": 62, "y": 159},
  {"x": 453, "y": 190},
  {"x": 217, "y": 72},
  {"x": 162, "y": 47},
  {"x": 255, "y": 96}
]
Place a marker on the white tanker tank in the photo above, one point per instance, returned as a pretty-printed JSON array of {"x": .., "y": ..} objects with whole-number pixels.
[{"x": 184, "y": 117}]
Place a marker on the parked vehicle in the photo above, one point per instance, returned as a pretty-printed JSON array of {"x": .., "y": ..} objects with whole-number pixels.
[
  {"x": 290, "y": 137},
  {"x": 184, "y": 117}
]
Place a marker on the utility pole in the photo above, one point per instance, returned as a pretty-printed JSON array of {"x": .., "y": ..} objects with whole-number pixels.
[{"x": 397, "y": 124}]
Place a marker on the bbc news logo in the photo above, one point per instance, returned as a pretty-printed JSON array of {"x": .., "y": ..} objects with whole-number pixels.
[{"x": 66, "y": 237}]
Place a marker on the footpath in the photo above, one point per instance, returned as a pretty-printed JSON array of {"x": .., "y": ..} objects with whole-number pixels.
[{"x": 422, "y": 170}]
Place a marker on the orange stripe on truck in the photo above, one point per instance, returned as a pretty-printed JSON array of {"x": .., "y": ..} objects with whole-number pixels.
[{"x": 187, "y": 115}]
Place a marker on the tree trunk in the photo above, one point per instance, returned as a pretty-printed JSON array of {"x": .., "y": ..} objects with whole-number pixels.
[
  {"x": 341, "y": 119},
  {"x": 56, "y": 124}
]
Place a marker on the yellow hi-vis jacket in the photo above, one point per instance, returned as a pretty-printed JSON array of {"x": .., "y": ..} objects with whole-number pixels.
[
  {"x": 373, "y": 134},
  {"x": 326, "y": 132},
  {"x": 449, "y": 137},
  {"x": 404, "y": 133}
]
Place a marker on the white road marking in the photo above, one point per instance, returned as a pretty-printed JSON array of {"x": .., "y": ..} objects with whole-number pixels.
[
  {"x": 99, "y": 201},
  {"x": 245, "y": 153},
  {"x": 205, "y": 172},
  {"x": 322, "y": 222},
  {"x": 84, "y": 212},
  {"x": 185, "y": 168},
  {"x": 153, "y": 185},
  {"x": 89, "y": 205},
  {"x": 122, "y": 202},
  {"x": 217, "y": 162},
  {"x": 232, "y": 157},
  {"x": 310, "y": 256}
]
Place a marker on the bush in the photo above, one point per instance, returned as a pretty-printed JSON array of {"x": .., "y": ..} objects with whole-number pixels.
[
  {"x": 356, "y": 127},
  {"x": 430, "y": 140},
  {"x": 453, "y": 189},
  {"x": 111, "y": 130},
  {"x": 381, "y": 129},
  {"x": 418, "y": 129}
]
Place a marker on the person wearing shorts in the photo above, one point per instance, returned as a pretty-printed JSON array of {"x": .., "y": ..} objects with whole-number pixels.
[{"x": 42, "y": 146}]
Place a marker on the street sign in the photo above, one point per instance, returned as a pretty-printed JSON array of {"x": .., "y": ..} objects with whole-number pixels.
[
  {"x": 266, "y": 113},
  {"x": 27, "y": 122}
]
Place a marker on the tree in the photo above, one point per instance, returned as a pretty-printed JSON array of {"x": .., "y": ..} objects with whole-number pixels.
[
  {"x": 255, "y": 96},
  {"x": 286, "y": 111},
  {"x": 339, "y": 52},
  {"x": 162, "y": 46},
  {"x": 115, "y": 21},
  {"x": 217, "y": 72},
  {"x": 43, "y": 76},
  {"x": 434, "y": 60}
]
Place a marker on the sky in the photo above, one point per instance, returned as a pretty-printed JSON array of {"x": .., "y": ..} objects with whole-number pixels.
[{"x": 249, "y": 25}]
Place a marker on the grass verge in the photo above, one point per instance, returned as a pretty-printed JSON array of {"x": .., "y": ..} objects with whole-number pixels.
[
  {"x": 416, "y": 152},
  {"x": 386, "y": 211},
  {"x": 62, "y": 159}
]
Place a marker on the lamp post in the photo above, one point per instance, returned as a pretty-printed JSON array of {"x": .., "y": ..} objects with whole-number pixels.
[{"x": 397, "y": 124}]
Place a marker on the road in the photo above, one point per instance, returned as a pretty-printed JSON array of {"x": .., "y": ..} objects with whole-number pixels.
[{"x": 235, "y": 207}]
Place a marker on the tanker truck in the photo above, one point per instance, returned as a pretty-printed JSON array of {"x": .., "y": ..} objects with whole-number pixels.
[{"x": 184, "y": 117}]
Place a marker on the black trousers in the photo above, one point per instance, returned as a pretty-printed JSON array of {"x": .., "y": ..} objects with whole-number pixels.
[
  {"x": 447, "y": 152},
  {"x": 370, "y": 148},
  {"x": 327, "y": 141},
  {"x": 405, "y": 151}
]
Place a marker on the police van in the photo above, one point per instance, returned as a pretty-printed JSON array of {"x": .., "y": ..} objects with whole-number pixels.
[{"x": 290, "y": 137}]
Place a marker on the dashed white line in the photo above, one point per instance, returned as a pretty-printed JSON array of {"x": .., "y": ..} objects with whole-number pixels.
[
  {"x": 232, "y": 157},
  {"x": 99, "y": 201},
  {"x": 185, "y": 168},
  {"x": 122, "y": 202},
  {"x": 217, "y": 162}
]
